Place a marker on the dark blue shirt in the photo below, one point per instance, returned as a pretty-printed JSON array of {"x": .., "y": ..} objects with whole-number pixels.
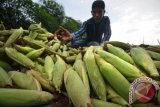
[{"x": 91, "y": 31}]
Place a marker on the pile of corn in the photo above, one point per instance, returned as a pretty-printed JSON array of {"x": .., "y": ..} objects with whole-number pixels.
[{"x": 34, "y": 65}]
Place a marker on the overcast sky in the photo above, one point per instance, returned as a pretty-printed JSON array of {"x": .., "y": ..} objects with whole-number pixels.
[{"x": 132, "y": 21}]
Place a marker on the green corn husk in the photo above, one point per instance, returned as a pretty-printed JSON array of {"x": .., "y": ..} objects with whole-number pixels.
[
  {"x": 94, "y": 74},
  {"x": 154, "y": 55},
  {"x": 125, "y": 46},
  {"x": 143, "y": 60},
  {"x": 58, "y": 72},
  {"x": 114, "y": 97},
  {"x": 157, "y": 64},
  {"x": 35, "y": 53},
  {"x": 44, "y": 83},
  {"x": 120, "y": 53},
  {"x": 100, "y": 103},
  {"x": 4, "y": 78},
  {"x": 49, "y": 66},
  {"x": 80, "y": 68},
  {"x": 23, "y": 80},
  {"x": 56, "y": 46},
  {"x": 76, "y": 89},
  {"x": 23, "y": 98},
  {"x": 71, "y": 59},
  {"x": 126, "y": 69},
  {"x": 17, "y": 33},
  {"x": 19, "y": 57},
  {"x": 23, "y": 49},
  {"x": 114, "y": 77}
]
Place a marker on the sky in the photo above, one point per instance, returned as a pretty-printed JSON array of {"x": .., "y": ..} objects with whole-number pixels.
[{"x": 132, "y": 21}]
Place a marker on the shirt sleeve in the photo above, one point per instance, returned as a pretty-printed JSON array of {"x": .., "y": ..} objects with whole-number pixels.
[
  {"x": 108, "y": 33},
  {"x": 80, "y": 32}
]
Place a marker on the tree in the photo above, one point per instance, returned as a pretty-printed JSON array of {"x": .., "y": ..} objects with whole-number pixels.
[{"x": 71, "y": 24}]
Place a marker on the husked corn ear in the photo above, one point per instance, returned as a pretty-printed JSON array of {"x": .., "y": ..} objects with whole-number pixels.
[
  {"x": 142, "y": 59},
  {"x": 76, "y": 89},
  {"x": 94, "y": 74},
  {"x": 120, "y": 53},
  {"x": 23, "y": 98},
  {"x": 100, "y": 103},
  {"x": 17, "y": 33},
  {"x": 114, "y": 77},
  {"x": 4, "y": 78},
  {"x": 126, "y": 69},
  {"x": 19, "y": 57},
  {"x": 80, "y": 68},
  {"x": 48, "y": 66},
  {"x": 58, "y": 72},
  {"x": 23, "y": 80}
]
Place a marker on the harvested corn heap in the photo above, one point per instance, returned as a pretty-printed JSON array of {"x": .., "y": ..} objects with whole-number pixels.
[{"x": 37, "y": 69}]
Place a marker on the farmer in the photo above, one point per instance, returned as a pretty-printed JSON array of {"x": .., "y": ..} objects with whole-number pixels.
[{"x": 94, "y": 31}]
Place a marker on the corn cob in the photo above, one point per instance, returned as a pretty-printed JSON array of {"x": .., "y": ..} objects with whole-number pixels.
[
  {"x": 142, "y": 59},
  {"x": 157, "y": 64},
  {"x": 65, "y": 54},
  {"x": 95, "y": 77},
  {"x": 154, "y": 55},
  {"x": 114, "y": 77},
  {"x": 39, "y": 67},
  {"x": 19, "y": 57},
  {"x": 100, "y": 103},
  {"x": 38, "y": 85},
  {"x": 114, "y": 97},
  {"x": 125, "y": 46},
  {"x": 40, "y": 60},
  {"x": 23, "y": 98},
  {"x": 4, "y": 78},
  {"x": 38, "y": 44},
  {"x": 126, "y": 69},
  {"x": 80, "y": 68},
  {"x": 5, "y": 65},
  {"x": 33, "y": 34},
  {"x": 37, "y": 28},
  {"x": 6, "y": 32},
  {"x": 71, "y": 59},
  {"x": 22, "y": 80},
  {"x": 42, "y": 38},
  {"x": 44, "y": 83},
  {"x": 76, "y": 89},
  {"x": 17, "y": 33},
  {"x": 23, "y": 49},
  {"x": 58, "y": 72},
  {"x": 49, "y": 66},
  {"x": 56, "y": 46},
  {"x": 120, "y": 53},
  {"x": 35, "y": 53}
]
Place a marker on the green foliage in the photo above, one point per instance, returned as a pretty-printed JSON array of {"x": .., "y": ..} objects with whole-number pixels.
[
  {"x": 22, "y": 13},
  {"x": 71, "y": 24}
]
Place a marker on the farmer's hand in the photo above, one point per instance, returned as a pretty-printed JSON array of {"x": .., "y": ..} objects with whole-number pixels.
[{"x": 63, "y": 34}]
